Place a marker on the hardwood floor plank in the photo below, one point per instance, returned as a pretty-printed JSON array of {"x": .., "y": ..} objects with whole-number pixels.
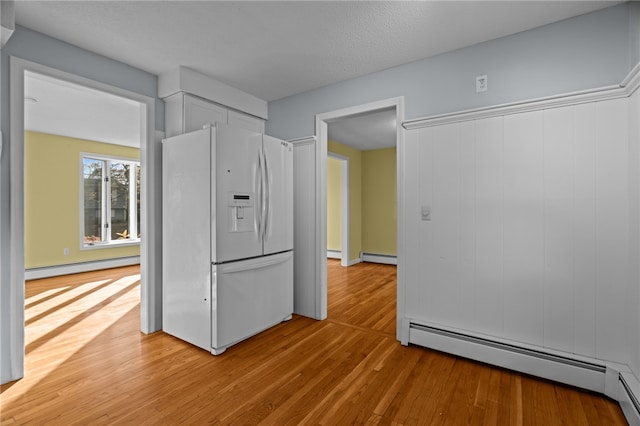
[{"x": 88, "y": 363}]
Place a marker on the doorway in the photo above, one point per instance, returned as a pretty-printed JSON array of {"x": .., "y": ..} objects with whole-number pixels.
[
  {"x": 150, "y": 200},
  {"x": 323, "y": 123}
]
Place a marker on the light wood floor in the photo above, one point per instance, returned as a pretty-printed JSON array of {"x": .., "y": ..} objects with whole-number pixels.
[{"x": 87, "y": 363}]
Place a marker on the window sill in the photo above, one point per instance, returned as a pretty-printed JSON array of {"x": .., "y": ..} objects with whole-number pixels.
[{"x": 110, "y": 244}]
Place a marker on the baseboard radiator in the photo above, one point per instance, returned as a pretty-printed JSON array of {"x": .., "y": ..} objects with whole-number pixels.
[
  {"x": 628, "y": 399},
  {"x": 601, "y": 377},
  {"x": 380, "y": 258},
  {"x": 579, "y": 373}
]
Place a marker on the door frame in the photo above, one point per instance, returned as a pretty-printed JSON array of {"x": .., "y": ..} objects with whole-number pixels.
[
  {"x": 344, "y": 207},
  {"x": 322, "y": 121},
  {"x": 150, "y": 246}
]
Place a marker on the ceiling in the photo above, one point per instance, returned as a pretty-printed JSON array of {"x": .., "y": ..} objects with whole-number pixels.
[
  {"x": 62, "y": 108},
  {"x": 375, "y": 130},
  {"x": 274, "y": 49}
]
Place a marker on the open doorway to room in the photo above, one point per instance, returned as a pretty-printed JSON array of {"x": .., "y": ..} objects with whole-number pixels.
[
  {"x": 60, "y": 246},
  {"x": 81, "y": 160},
  {"x": 361, "y": 175},
  {"x": 82, "y": 211},
  {"x": 366, "y": 139}
]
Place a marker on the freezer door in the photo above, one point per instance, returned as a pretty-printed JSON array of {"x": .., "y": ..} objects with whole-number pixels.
[
  {"x": 238, "y": 185},
  {"x": 278, "y": 164},
  {"x": 250, "y": 296},
  {"x": 186, "y": 259}
]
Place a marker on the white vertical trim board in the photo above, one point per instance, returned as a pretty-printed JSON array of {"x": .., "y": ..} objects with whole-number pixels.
[
  {"x": 306, "y": 252},
  {"x": 322, "y": 132},
  {"x": 16, "y": 233}
]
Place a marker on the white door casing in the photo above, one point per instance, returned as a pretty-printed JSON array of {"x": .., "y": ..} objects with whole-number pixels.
[
  {"x": 150, "y": 285},
  {"x": 321, "y": 199}
]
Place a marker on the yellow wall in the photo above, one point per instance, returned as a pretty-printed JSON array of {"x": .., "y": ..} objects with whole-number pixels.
[
  {"x": 355, "y": 195},
  {"x": 372, "y": 201},
  {"x": 379, "y": 229},
  {"x": 334, "y": 204},
  {"x": 52, "y": 200}
]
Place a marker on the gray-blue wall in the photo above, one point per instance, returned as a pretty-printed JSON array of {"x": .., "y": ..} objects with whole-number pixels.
[
  {"x": 36, "y": 47},
  {"x": 585, "y": 52},
  {"x": 634, "y": 33}
]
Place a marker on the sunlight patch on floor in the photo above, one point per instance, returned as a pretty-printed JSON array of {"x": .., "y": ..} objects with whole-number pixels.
[
  {"x": 74, "y": 319},
  {"x": 66, "y": 294},
  {"x": 43, "y": 295}
]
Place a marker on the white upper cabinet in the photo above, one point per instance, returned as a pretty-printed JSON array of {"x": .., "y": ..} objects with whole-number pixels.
[
  {"x": 199, "y": 113},
  {"x": 245, "y": 121},
  {"x": 185, "y": 113}
]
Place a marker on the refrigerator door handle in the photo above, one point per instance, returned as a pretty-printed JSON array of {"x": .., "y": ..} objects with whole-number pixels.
[
  {"x": 267, "y": 198},
  {"x": 263, "y": 204},
  {"x": 259, "y": 195}
]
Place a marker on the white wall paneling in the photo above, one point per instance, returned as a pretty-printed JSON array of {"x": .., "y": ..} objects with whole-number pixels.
[
  {"x": 558, "y": 250},
  {"x": 489, "y": 275},
  {"x": 466, "y": 214},
  {"x": 523, "y": 226},
  {"x": 612, "y": 228},
  {"x": 528, "y": 238},
  {"x": 584, "y": 229}
]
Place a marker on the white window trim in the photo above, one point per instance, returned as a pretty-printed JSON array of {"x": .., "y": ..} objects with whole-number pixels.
[{"x": 131, "y": 241}]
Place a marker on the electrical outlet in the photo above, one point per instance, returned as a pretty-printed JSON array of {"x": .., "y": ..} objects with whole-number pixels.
[
  {"x": 481, "y": 83},
  {"x": 66, "y": 251}
]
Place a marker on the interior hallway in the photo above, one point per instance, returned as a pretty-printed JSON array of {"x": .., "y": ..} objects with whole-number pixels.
[{"x": 87, "y": 362}]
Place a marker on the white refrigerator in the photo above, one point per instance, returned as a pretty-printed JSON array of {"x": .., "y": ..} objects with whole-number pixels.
[{"x": 227, "y": 224}]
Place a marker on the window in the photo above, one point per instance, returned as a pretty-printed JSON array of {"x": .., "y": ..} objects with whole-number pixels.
[{"x": 110, "y": 199}]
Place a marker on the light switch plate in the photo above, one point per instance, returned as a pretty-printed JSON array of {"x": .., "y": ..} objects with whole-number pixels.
[{"x": 425, "y": 213}]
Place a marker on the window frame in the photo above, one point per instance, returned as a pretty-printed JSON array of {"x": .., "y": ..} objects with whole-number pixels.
[{"x": 106, "y": 241}]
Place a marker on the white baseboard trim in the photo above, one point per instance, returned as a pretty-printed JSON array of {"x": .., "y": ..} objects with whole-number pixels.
[
  {"x": 74, "y": 268},
  {"x": 334, "y": 254},
  {"x": 613, "y": 380},
  {"x": 380, "y": 258},
  {"x": 354, "y": 262}
]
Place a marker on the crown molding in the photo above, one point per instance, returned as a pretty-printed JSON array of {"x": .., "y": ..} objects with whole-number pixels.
[
  {"x": 632, "y": 81},
  {"x": 573, "y": 98}
]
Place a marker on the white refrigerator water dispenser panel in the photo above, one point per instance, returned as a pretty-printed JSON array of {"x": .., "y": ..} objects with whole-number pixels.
[{"x": 242, "y": 212}]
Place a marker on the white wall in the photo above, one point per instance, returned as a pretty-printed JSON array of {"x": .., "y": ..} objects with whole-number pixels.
[{"x": 529, "y": 237}]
